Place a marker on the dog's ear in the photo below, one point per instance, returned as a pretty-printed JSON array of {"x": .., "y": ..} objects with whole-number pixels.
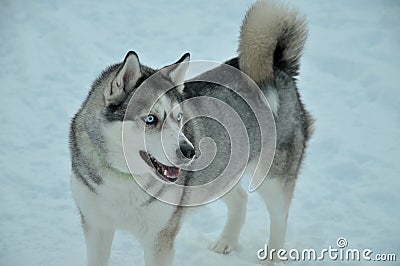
[
  {"x": 125, "y": 80},
  {"x": 177, "y": 71}
]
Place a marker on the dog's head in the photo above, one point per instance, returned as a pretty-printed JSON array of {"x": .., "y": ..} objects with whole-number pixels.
[{"x": 151, "y": 120}]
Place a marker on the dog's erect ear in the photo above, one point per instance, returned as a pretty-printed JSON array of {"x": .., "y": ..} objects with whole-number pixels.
[
  {"x": 178, "y": 70},
  {"x": 129, "y": 73},
  {"x": 125, "y": 80}
]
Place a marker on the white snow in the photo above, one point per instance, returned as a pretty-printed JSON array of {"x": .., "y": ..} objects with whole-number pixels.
[{"x": 51, "y": 51}]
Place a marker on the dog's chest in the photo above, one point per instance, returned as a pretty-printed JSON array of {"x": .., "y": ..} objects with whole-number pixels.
[
  {"x": 122, "y": 205},
  {"x": 125, "y": 204}
]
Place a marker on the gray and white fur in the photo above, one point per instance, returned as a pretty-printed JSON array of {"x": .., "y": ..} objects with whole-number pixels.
[
  {"x": 271, "y": 41},
  {"x": 106, "y": 194}
]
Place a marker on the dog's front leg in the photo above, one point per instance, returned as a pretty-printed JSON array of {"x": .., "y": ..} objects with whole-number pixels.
[
  {"x": 158, "y": 254},
  {"x": 98, "y": 244},
  {"x": 159, "y": 250}
]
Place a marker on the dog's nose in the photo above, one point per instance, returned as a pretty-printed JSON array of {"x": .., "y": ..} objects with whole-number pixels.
[{"x": 187, "y": 150}]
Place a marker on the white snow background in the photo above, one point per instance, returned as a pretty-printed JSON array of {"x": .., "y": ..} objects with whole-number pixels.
[{"x": 51, "y": 51}]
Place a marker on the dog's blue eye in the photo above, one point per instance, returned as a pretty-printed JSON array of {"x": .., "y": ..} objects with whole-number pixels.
[
  {"x": 150, "y": 119},
  {"x": 180, "y": 116}
]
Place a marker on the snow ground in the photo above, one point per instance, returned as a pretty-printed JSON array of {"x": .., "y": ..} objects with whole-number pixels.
[{"x": 51, "y": 51}]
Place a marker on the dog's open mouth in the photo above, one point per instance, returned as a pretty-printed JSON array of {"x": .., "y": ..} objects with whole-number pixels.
[{"x": 167, "y": 173}]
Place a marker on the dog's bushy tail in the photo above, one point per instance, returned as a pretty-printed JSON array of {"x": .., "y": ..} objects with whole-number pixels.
[{"x": 272, "y": 35}]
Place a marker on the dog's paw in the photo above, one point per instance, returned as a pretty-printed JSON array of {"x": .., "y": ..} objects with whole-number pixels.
[{"x": 223, "y": 246}]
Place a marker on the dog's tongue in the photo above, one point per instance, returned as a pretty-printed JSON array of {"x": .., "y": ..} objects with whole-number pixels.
[{"x": 171, "y": 173}]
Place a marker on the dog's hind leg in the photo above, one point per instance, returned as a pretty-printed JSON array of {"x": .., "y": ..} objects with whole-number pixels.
[
  {"x": 277, "y": 195},
  {"x": 236, "y": 203},
  {"x": 98, "y": 244}
]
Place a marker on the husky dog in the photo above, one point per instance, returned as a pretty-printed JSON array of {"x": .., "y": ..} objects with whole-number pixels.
[{"x": 107, "y": 195}]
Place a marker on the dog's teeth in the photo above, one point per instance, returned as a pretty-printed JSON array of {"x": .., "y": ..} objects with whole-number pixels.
[{"x": 165, "y": 172}]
